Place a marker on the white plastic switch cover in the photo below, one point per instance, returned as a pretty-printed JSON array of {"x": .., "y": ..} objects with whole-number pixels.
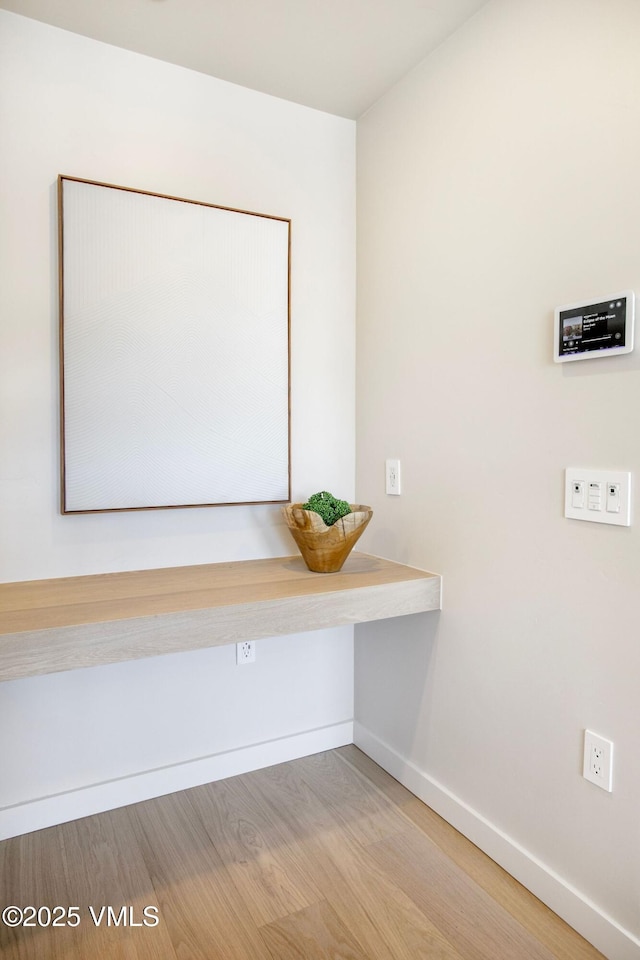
[
  {"x": 605, "y": 498},
  {"x": 595, "y": 495},
  {"x": 613, "y": 498},
  {"x": 577, "y": 494}
]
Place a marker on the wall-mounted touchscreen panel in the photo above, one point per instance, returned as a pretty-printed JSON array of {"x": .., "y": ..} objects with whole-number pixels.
[{"x": 588, "y": 330}]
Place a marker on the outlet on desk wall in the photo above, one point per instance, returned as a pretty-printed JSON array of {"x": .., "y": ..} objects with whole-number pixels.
[{"x": 245, "y": 652}]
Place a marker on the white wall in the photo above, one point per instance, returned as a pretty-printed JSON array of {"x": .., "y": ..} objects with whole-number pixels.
[
  {"x": 74, "y": 106},
  {"x": 497, "y": 180}
]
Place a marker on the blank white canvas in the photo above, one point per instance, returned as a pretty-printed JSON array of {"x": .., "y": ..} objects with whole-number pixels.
[{"x": 175, "y": 352}]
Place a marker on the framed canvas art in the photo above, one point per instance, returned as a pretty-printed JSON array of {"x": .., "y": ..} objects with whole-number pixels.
[{"x": 175, "y": 351}]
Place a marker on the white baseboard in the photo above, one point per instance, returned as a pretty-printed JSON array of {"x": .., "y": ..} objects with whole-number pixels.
[
  {"x": 96, "y": 798},
  {"x": 614, "y": 941}
]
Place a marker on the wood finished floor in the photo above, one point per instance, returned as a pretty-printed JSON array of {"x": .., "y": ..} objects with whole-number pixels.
[{"x": 323, "y": 858}]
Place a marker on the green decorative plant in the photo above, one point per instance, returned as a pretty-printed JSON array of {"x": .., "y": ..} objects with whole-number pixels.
[{"x": 329, "y": 508}]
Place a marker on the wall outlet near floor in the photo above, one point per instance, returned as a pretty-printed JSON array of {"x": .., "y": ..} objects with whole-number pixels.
[
  {"x": 598, "y": 760},
  {"x": 245, "y": 652}
]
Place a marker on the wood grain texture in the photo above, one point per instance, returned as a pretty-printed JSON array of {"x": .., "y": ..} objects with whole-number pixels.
[
  {"x": 200, "y": 907},
  {"x": 33, "y": 871},
  {"x": 105, "y": 868},
  {"x": 550, "y": 930},
  {"x": 321, "y": 858},
  {"x": 52, "y": 625},
  {"x": 258, "y": 849},
  {"x": 388, "y": 924},
  {"x": 563, "y": 942},
  {"x": 478, "y": 927},
  {"x": 313, "y": 934},
  {"x": 325, "y": 548},
  {"x": 350, "y": 800}
]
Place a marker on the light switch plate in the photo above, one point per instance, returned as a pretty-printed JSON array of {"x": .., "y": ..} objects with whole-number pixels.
[{"x": 600, "y": 496}]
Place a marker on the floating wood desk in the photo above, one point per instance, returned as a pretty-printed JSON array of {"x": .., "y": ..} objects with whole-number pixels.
[{"x": 51, "y": 625}]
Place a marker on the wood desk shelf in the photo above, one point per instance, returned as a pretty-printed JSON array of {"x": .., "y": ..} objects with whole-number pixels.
[{"x": 51, "y": 625}]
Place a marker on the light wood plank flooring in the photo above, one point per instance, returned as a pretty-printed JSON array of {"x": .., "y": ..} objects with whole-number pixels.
[{"x": 324, "y": 858}]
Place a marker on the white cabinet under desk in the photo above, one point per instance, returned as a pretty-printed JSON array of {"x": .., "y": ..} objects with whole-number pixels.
[{"x": 47, "y": 626}]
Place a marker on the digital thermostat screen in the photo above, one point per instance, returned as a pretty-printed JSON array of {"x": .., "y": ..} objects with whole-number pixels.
[{"x": 595, "y": 329}]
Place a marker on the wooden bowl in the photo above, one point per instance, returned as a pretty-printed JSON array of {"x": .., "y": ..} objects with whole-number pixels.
[{"x": 325, "y": 549}]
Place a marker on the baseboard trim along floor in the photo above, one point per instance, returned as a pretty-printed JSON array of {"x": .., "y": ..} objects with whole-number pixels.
[
  {"x": 96, "y": 798},
  {"x": 561, "y": 897}
]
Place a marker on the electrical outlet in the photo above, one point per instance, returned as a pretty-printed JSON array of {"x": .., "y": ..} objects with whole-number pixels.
[
  {"x": 392, "y": 468},
  {"x": 245, "y": 652},
  {"x": 598, "y": 760}
]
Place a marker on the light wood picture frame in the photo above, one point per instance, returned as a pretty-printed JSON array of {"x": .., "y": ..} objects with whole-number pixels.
[{"x": 174, "y": 351}]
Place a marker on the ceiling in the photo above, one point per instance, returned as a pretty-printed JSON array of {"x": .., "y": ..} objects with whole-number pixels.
[{"x": 339, "y": 56}]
